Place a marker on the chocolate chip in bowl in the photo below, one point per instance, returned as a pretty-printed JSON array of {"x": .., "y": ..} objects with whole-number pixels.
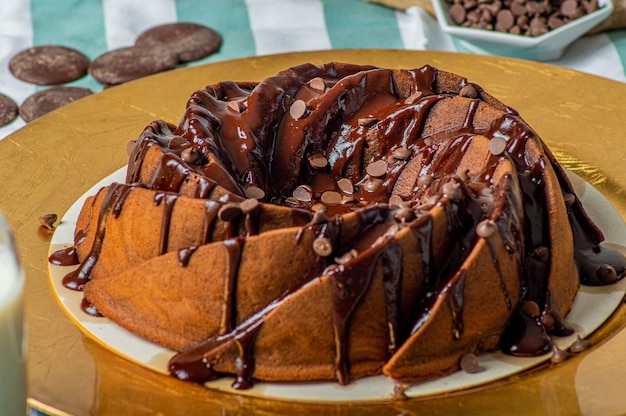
[{"x": 527, "y": 29}]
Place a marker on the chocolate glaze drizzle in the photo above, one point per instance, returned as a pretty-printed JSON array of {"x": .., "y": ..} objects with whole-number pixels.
[{"x": 239, "y": 137}]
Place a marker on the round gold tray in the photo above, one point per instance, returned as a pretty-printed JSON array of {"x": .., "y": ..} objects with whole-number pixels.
[{"x": 49, "y": 163}]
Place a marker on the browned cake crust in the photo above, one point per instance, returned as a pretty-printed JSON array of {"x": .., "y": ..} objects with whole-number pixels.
[{"x": 336, "y": 222}]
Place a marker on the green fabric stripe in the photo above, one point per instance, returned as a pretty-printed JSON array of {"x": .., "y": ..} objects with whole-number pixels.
[
  {"x": 618, "y": 38},
  {"x": 384, "y": 32},
  {"x": 83, "y": 29},
  {"x": 237, "y": 38}
]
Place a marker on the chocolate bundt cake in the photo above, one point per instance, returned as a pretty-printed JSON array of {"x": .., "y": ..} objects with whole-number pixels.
[{"x": 339, "y": 221}]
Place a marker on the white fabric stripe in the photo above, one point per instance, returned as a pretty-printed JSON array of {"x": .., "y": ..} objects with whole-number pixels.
[
  {"x": 16, "y": 33},
  {"x": 287, "y": 26},
  {"x": 594, "y": 55},
  {"x": 420, "y": 31},
  {"x": 125, "y": 19}
]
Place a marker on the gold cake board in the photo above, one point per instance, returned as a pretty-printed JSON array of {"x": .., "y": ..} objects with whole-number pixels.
[{"x": 49, "y": 163}]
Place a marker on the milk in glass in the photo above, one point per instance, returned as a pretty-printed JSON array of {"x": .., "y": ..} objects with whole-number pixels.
[{"x": 12, "y": 372}]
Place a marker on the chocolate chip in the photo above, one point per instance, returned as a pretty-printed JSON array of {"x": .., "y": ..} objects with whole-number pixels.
[
  {"x": 558, "y": 355},
  {"x": 50, "y": 99},
  {"x": 590, "y": 6},
  {"x": 413, "y": 98},
  {"x": 234, "y": 105},
  {"x": 555, "y": 21},
  {"x": 523, "y": 21},
  {"x": 346, "y": 186},
  {"x": 249, "y": 205},
  {"x": 518, "y": 8},
  {"x": 322, "y": 246},
  {"x": 331, "y": 198},
  {"x": 229, "y": 212},
  {"x": 537, "y": 26},
  {"x": 254, "y": 192},
  {"x": 189, "y": 41},
  {"x": 377, "y": 169},
  {"x": 531, "y": 308},
  {"x": 569, "y": 8},
  {"x": 395, "y": 200},
  {"x": 504, "y": 20},
  {"x": 318, "y": 161},
  {"x": 579, "y": 345},
  {"x": 176, "y": 142},
  {"x": 494, "y": 7},
  {"x": 49, "y": 65},
  {"x": 404, "y": 215},
  {"x": 606, "y": 273},
  {"x": 535, "y": 7},
  {"x": 399, "y": 394},
  {"x": 486, "y": 228},
  {"x": 457, "y": 13},
  {"x": 317, "y": 84},
  {"x": 452, "y": 189},
  {"x": 542, "y": 253},
  {"x": 468, "y": 91},
  {"x": 425, "y": 181},
  {"x": 48, "y": 220},
  {"x": 346, "y": 257},
  {"x": 367, "y": 122},
  {"x": 402, "y": 153},
  {"x": 126, "y": 64},
  {"x": 8, "y": 110},
  {"x": 191, "y": 155},
  {"x": 497, "y": 145},
  {"x": 303, "y": 193},
  {"x": 373, "y": 184},
  {"x": 297, "y": 109},
  {"x": 470, "y": 364}
]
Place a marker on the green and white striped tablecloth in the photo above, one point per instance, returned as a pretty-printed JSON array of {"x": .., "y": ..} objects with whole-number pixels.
[{"x": 248, "y": 27}]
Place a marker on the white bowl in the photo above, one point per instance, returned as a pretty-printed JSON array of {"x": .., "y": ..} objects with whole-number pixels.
[{"x": 548, "y": 46}]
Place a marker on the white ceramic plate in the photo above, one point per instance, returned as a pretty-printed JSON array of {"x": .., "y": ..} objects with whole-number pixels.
[{"x": 592, "y": 306}]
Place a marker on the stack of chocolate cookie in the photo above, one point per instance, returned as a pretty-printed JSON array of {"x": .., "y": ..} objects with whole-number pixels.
[{"x": 157, "y": 49}]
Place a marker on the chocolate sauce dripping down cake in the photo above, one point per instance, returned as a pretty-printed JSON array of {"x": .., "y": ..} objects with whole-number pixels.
[{"x": 339, "y": 221}]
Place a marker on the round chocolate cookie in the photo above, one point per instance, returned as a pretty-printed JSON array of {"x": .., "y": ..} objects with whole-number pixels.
[
  {"x": 8, "y": 110},
  {"x": 126, "y": 64},
  {"x": 50, "y": 99},
  {"x": 190, "y": 41},
  {"x": 49, "y": 65}
]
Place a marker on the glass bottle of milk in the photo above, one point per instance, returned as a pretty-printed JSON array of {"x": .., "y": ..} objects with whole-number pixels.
[{"x": 12, "y": 349}]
